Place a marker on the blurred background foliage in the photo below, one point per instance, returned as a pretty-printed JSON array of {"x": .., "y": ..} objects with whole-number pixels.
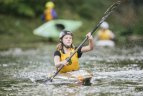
[{"x": 19, "y": 17}]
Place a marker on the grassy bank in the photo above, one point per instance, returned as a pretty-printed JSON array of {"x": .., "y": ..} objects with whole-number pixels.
[
  {"x": 18, "y": 32},
  {"x": 19, "y": 18}
]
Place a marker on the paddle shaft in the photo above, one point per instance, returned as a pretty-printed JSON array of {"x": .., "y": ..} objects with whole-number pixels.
[{"x": 107, "y": 13}]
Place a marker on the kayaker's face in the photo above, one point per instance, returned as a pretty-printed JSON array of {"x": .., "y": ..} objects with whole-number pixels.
[{"x": 67, "y": 40}]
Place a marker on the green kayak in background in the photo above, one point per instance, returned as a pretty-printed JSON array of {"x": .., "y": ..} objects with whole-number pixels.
[{"x": 52, "y": 28}]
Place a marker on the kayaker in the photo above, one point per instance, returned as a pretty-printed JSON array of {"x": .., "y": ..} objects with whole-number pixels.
[
  {"x": 104, "y": 33},
  {"x": 49, "y": 12},
  {"x": 65, "y": 48},
  {"x": 105, "y": 36}
]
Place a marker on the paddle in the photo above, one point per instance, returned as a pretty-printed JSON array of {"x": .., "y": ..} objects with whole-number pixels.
[{"x": 106, "y": 14}]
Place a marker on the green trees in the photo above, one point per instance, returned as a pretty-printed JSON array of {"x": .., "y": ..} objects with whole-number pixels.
[
  {"x": 28, "y": 8},
  {"x": 127, "y": 18}
]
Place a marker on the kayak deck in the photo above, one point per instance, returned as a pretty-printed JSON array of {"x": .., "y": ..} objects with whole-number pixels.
[{"x": 80, "y": 76}]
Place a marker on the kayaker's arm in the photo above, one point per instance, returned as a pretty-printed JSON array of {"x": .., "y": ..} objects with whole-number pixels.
[
  {"x": 90, "y": 45},
  {"x": 59, "y": 63}
]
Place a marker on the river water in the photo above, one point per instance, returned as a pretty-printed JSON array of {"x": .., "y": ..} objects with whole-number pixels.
[{"x": 116, "y": 72}]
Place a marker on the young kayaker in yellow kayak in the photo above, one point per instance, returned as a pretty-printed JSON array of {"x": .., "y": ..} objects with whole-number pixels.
[{"x": 65, "y": 48}]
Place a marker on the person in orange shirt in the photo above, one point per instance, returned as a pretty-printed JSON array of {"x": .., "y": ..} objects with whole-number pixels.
[{"x": 49, "y": 12}]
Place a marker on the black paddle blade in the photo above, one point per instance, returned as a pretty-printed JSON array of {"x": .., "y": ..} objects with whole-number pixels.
[
  {"x": 43, "y": 80},
  {"x": 48, "y": 80},
  {"x": 112, "y": 7}
]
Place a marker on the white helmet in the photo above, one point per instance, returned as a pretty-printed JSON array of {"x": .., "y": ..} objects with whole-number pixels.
[
  {"x": 62, "y": 34},
  {"x": 104, "y": 25},
  {"x": 65, "y": 32}
]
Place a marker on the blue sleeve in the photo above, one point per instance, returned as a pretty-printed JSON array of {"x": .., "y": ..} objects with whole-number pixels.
[{"x": 54, "y": 14}]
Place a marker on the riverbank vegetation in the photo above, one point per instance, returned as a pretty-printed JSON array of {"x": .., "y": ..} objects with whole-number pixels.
[{"x": 20, "y": 17}]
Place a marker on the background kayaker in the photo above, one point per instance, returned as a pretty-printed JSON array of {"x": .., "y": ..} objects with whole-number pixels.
[
  {"x": 49, "y": 12},
  {"x": 104, "y": 33},
  {"x": 104, "y": 36}
]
